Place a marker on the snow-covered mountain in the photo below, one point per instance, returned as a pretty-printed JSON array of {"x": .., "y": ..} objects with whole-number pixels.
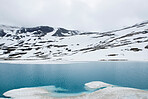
[{"x": 48, "y": 43}]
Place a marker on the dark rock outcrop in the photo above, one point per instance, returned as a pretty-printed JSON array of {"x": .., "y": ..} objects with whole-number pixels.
[
  {"x": 113, "y": 55},
  {"x": 61, "y": 31},
  {"x": 146, "y": 47},
  {"x": 58, "y": 33},
  {"x": 2, "y": 33},
  {"x": 8, "y": 35},
  {"x": 135, "y": 49},
  {"x": 38, "y": 31}
]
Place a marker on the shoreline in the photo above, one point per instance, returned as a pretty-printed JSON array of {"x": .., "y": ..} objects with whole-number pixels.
[{"x": 62, "y": 62}]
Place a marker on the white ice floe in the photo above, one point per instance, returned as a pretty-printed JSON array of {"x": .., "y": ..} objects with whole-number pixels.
[
  {"x": 25, "y": 92},
  {"x": 96, "y": 85},
  {"x": 105, "y": 93}
]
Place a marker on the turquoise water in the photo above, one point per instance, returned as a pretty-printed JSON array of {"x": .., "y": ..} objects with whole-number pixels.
[{"x": 72, "y": 77}]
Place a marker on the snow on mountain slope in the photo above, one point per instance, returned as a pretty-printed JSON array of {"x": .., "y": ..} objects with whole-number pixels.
[{"x": 48, "y": 43}]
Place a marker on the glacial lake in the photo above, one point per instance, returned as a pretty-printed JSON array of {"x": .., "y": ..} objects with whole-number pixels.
[{"x": 72, "y": 77}]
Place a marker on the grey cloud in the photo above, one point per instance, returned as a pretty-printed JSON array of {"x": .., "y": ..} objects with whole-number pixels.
[{"x": 87, "y": 15}]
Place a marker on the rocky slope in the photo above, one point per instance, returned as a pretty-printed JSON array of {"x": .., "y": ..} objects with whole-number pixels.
[{"x": 48, "y": 43}]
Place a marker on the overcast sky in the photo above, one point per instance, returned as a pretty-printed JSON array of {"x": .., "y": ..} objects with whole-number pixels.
[{"x": 85, "y": 15}]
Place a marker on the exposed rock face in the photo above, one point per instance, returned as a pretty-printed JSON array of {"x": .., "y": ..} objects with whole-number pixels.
[
  {"x": 63, "y": 32},
  {"x": 40, "y": 31},
  {"x": 112, "y": 54},
  {"x": 43, "y": 30},
  {"x": 135, "y": 49},
  {"x": 2, "y": 33},
  {"x": 58, "y": 33},
  {"x": 146, "y": 47}
]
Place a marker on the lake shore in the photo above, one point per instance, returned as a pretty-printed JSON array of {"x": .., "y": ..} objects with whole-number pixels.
[{"x": 64, "y": 61}]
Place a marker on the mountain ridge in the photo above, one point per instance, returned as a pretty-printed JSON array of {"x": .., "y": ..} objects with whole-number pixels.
[{"x": 48, "y": 43}]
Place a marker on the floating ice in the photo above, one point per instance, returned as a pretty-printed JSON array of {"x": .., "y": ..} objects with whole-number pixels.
[
  {"x": 25, "y": 92},
  {"x": 44, "y": 91},
  {"x": 53, "y": 88},
  {"x": 49, "y": 92},
  {"x": 96, "y": 85}
]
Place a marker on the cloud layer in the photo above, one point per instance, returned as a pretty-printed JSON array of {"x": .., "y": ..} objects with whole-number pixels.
[{"x": 85, "y": 15}]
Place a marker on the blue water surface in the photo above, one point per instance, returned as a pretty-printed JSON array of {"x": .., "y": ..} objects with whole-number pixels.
[{"x": 73, "y": 76}]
